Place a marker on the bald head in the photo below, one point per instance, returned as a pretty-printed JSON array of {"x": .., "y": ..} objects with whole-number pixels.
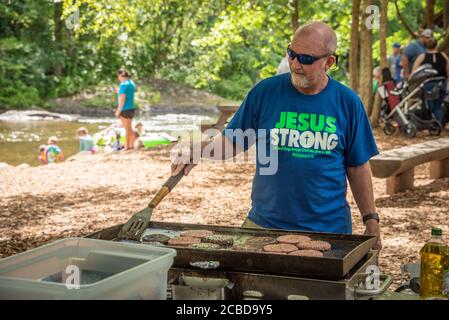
[{"x": 318, "y": 34}]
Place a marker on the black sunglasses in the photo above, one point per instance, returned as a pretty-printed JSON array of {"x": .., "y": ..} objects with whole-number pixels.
[{"x": 305, "y": 58}]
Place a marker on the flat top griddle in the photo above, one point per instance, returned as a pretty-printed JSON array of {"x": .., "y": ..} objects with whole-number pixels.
[{"x": 347, "y": 250}]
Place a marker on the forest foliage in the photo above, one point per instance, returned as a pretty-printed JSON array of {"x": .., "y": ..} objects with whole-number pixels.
[{"x": 55, "y": 48}]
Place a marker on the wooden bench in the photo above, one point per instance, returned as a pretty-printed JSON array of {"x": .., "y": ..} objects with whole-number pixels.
[
  {"x": 226, "y": 111},
  {"x": 397, "y": 165}
]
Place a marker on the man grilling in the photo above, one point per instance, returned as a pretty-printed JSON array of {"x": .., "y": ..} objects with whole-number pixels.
[{"x": 321, "y": 133}]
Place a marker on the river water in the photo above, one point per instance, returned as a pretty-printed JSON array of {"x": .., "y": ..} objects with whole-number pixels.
[{"x": 20, "y": 138}]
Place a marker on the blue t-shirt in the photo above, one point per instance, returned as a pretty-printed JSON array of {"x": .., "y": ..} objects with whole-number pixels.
[
  {"x": 127, "y": 87},
  {"x": 412, "y": 51},
  {"x": 316, "y": 138}
]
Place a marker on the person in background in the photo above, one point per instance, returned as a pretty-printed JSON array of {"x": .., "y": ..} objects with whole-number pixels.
[
  {"x": 440, "y": 62},
  {"x": 283, "y": 66},
  {"x": 377, "y": 79},
  {"x": 50, "y": 153},
  {"x": 86, "y": 141},
  {"x": 138, "y": 131},
  {"x": 413, "y": 50},
  {"x": 43, "y": 154},
  {"x": 117, "y": 146},
  {"x": 394, "y": 62},
  {"x": 125, "y": 108}
]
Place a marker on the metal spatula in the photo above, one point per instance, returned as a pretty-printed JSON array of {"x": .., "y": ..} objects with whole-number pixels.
[{"x": 139, "y": 222}]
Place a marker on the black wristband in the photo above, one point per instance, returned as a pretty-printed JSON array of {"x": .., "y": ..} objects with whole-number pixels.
[{"x": 369, "y": 216}]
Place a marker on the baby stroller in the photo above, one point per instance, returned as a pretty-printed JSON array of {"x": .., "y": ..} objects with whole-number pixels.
[{"x": 408, "y": 105}]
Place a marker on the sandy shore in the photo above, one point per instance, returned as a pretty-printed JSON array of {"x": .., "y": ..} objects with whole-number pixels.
[{"x": 75, "y": 198}]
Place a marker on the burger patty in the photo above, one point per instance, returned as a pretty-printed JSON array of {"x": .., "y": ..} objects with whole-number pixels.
[
  {"x": 314, "y": 245},
  {"x": 292, "y": 239},
  {"x": 183, "y": 241},
  {"x": 306, "y": 253},
  {"x": 220, "y": 239},
  {"x": 260, "y": 241},
  {"x": 162, "y": 238},
  {"x": 280, "y": 248},
  {"x": 196, "y": 233}
]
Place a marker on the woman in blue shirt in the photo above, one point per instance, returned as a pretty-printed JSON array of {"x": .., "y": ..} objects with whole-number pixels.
[{"x": 125, "y": 109}]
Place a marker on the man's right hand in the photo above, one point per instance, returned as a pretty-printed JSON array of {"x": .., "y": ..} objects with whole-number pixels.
[
  {"x": 177, "y": 168},
  {"x": 185, "y": 163}
]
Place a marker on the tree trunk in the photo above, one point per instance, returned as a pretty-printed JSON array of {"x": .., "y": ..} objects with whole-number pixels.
[
  {"x": 445, "y": 14},
  {"x": 353, "y": 52},
  {"x": 59, "y": 36},
  {"x": 383, "y": 33},
  {"x": 293, "y": 6},
  {"x": 429, "y": 13},
  {"x": 444, "y": 45},
  {"x": 366, "y": 60},
  {"x": 383, "y": 59}
]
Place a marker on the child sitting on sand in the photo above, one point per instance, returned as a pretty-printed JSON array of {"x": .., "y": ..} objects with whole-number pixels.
[
  {"x": 138, "y": 130},
  {"x": 117, "y": 146},
  {"x": 86, "y": 141}
]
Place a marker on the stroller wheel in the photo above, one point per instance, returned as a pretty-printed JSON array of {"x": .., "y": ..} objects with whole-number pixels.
[
  {"x": 435, "y": 129},
  {"x": 410, "y": 130},
  {"x": 389, "y": 129}
]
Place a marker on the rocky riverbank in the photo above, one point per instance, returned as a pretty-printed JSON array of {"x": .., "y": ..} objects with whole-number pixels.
[{"x": 152, "y": 95}]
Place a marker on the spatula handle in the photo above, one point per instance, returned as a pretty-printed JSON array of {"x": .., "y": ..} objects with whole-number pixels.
[
  {"x": 166, "y": 188},
  {"x": 173, "y": 180}
]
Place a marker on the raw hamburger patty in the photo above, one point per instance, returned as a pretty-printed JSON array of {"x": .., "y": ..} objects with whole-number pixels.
[
  {"x": 219, "y": 239},
  {"x": 306, "y": 253},
  {"x": 280, "y": 248},
  {"x": 162, "y": 238},
  {"x": 314, "y": 245},
  {"x": 204, "y": 245},
  {"x": 196, "y": 233},
  {"x": 260, "y": 241},
  {"x": 292, "y": 239},
  {"x": 183, "y": 241}
]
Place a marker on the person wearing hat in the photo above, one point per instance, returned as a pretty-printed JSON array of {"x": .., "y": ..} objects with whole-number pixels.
[
  {"x": 413, "y": 50},
  {"x": 394, "y": 62}
]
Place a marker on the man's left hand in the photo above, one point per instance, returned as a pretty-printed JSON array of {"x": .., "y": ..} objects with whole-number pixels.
[
  {"x": 117, "y": 114},
  {"x": 372, "y": 229}
]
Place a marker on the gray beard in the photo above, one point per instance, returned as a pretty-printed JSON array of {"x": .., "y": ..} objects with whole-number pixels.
[{"x": 300, "y": 81}]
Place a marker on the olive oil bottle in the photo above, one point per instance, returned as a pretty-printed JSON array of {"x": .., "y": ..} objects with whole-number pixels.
[{"x": 434, "y": 275}]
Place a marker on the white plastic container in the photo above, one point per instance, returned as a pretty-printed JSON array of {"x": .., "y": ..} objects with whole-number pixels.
[{"x": 79, "y": 268}]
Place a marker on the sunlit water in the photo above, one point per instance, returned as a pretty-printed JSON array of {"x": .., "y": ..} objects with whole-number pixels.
[{"x": 20, "y": 138}]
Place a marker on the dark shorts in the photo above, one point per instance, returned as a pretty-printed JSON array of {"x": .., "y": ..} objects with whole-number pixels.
[{"x": 128, "y": 114}]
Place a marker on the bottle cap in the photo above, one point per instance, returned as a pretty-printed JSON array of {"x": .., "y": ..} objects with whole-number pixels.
[{"x": 437, "y": 232}]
